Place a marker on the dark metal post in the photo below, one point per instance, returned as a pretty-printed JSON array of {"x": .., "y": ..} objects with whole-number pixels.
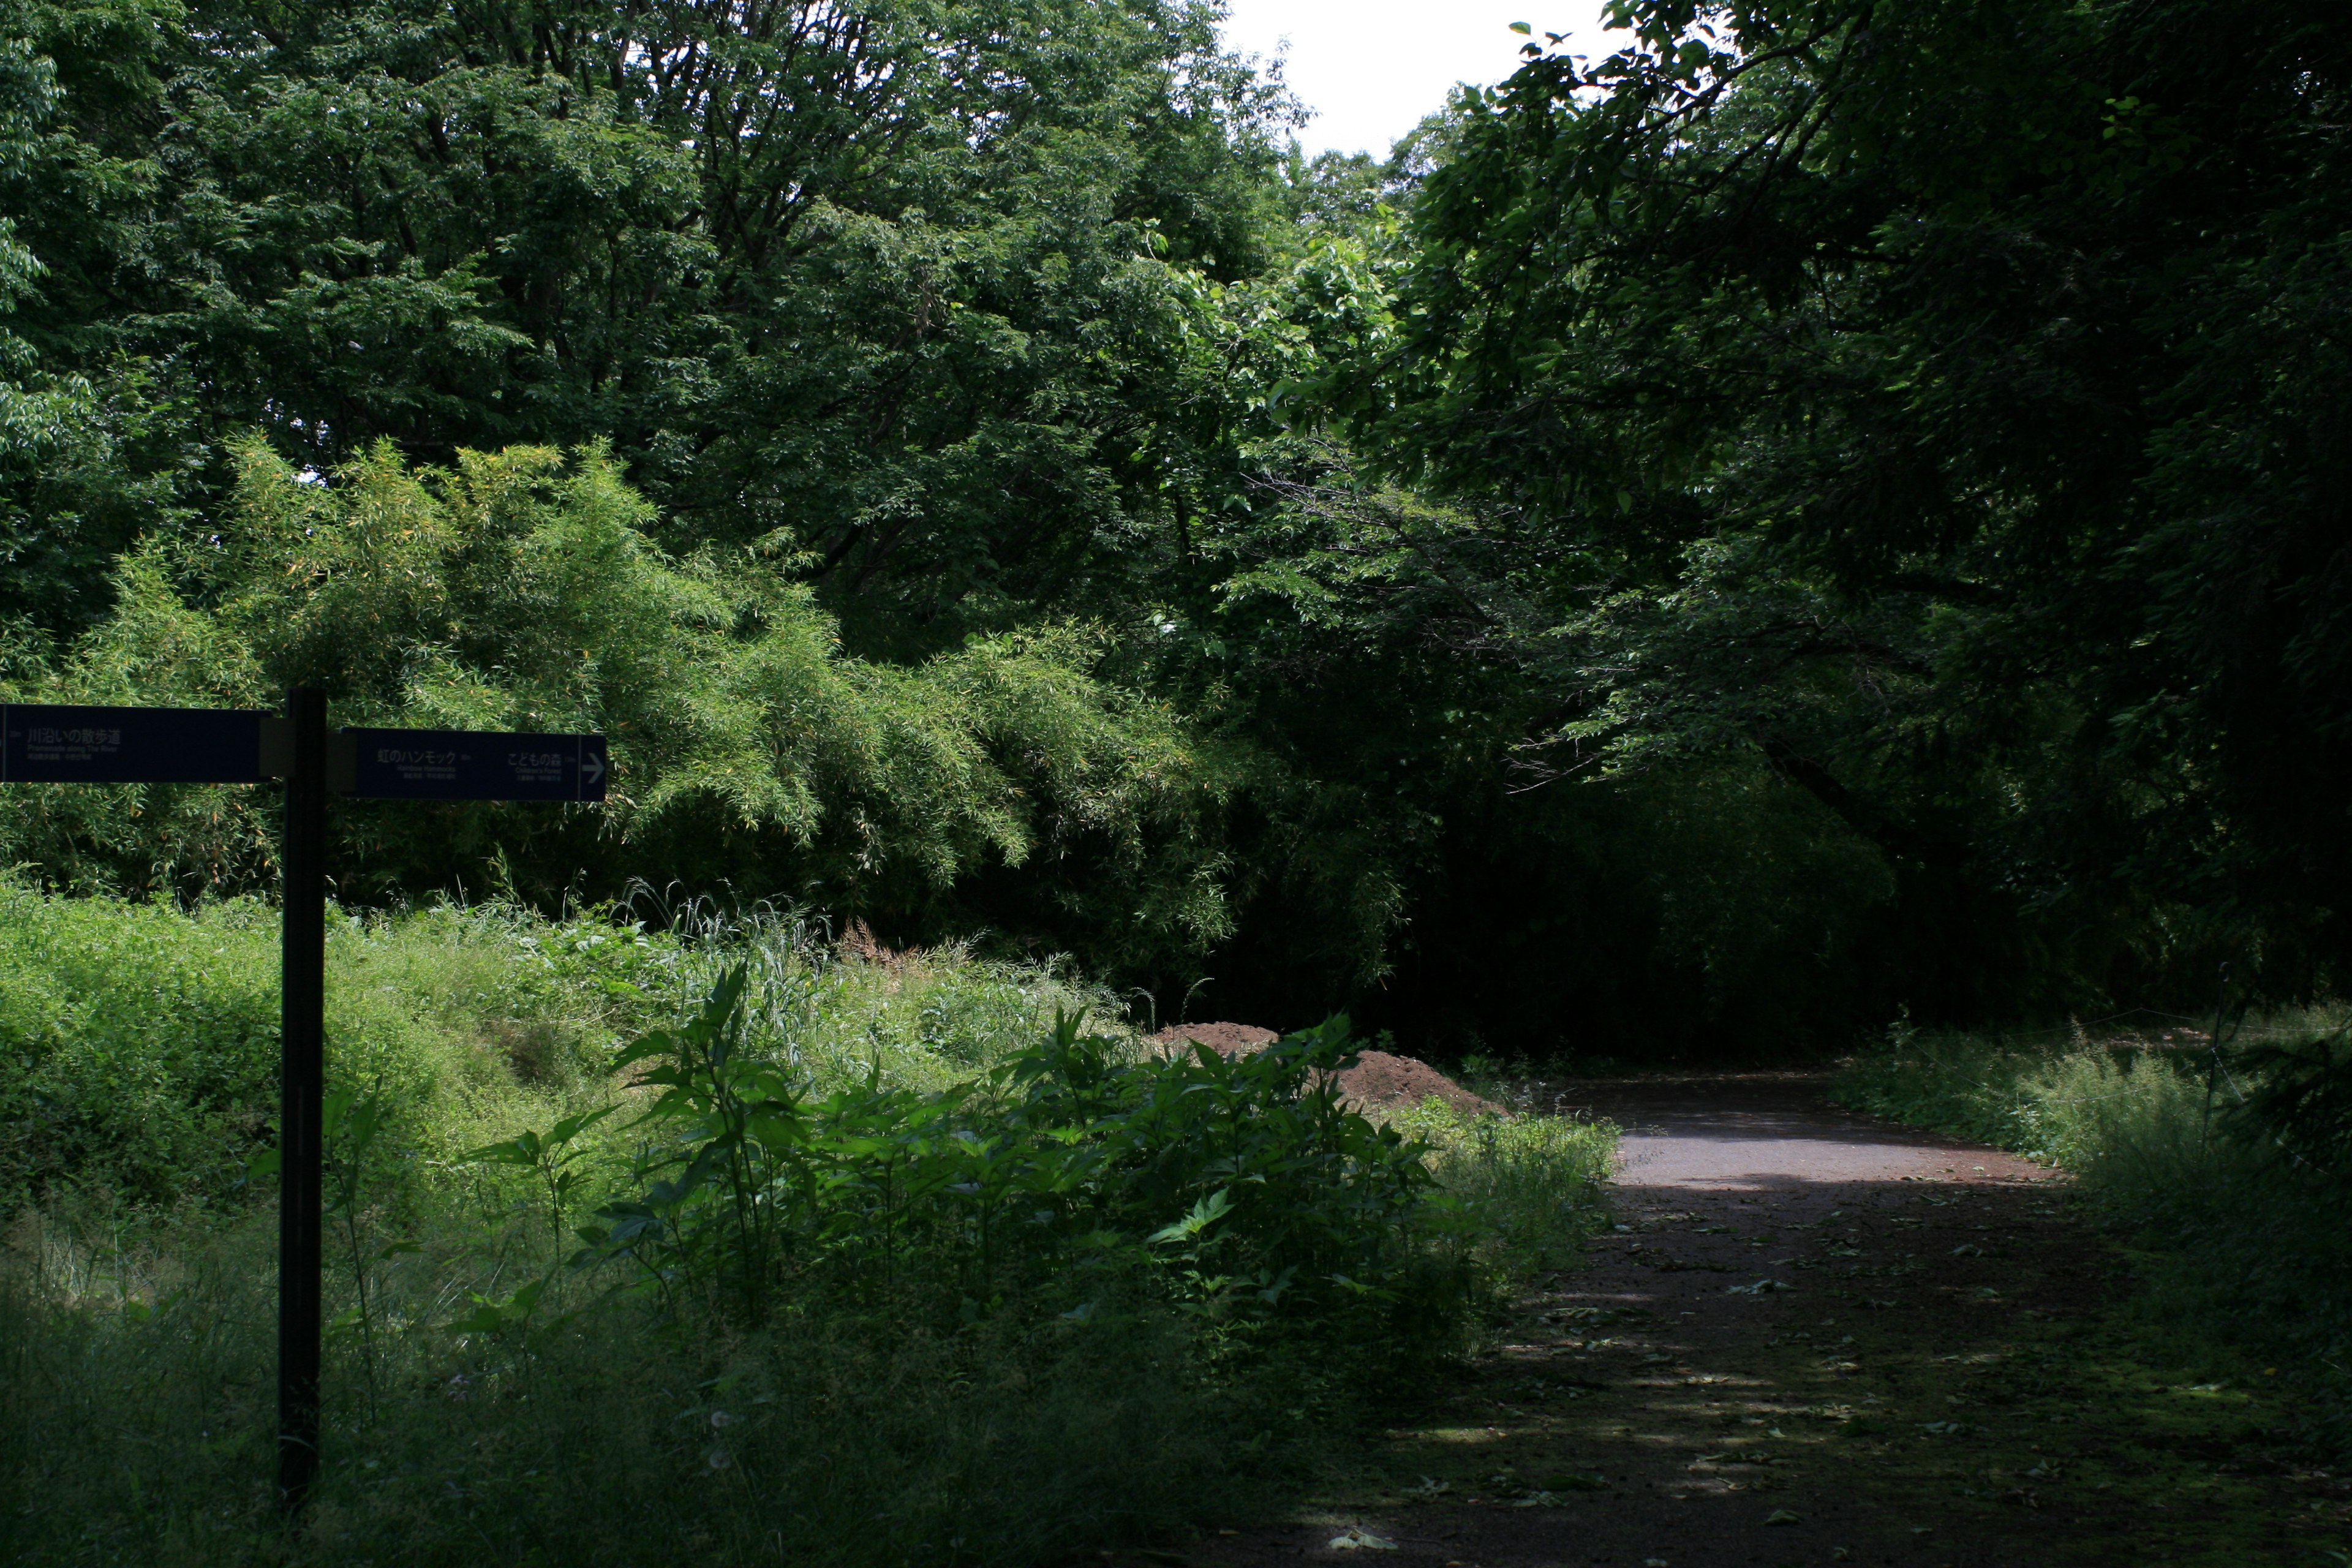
[{"x": 302, "y": 1072}]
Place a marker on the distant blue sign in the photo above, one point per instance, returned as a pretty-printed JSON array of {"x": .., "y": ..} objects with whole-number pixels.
[
  {"x": 467, "y": 764},
  {"x": 130, "y": 745}
]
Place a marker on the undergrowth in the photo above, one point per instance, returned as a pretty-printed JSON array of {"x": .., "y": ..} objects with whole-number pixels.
[
  {"x": 1535, "y": 1180},
  {"x": 2229, "y": 1172},
  {"x": 711, "y": 1241},
  {"x": 140, "y": 1042}
]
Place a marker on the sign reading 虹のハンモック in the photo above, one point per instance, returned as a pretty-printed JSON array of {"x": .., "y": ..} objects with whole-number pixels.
[
  {"x": 466, "y": 765},
  {"x": 130, "y": 745}
]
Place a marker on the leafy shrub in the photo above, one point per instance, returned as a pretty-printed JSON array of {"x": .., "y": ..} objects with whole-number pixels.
[
  {"x": 2301, "y": 1091},
  {"x": 1085, "y": 1295},
  {"x": 139, "y": 1044},
  {"x": 135, "y": 1408},
  {"x": 1067, "y": 1170},
  {"x": 142, "y": 1044}
]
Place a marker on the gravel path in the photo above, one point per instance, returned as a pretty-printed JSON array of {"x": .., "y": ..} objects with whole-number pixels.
[
  {"x": 1753, "y": 1132},
  {"x": 1814, "y": 1338}
]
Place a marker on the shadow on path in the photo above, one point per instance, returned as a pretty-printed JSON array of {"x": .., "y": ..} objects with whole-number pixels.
[{"x": 1813, "y": 1337}]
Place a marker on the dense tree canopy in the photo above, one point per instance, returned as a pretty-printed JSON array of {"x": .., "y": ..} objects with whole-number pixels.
[
  {"x": 1836, "y": 506},
  {"x": 901, "y": 288},
  {"x": 1946, "y": 403}
]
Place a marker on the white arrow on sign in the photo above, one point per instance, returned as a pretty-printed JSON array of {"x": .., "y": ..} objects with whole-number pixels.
[{"x": 592, "y": 768}]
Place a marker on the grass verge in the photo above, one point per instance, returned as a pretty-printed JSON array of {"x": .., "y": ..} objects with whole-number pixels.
[{"x": 2235, "y": 1230}]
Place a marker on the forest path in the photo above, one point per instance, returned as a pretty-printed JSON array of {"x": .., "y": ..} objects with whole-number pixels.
[{"x": 1813, "y": 1337}]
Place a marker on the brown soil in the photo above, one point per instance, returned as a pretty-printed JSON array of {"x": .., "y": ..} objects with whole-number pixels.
[
  {"x": 1225, "y": 1039},
  {"x": 1380, "y": 1081},
  {"x": 1815, "y": 1338}
]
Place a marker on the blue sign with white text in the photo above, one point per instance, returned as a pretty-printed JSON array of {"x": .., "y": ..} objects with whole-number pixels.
[
  {"x": 467, "y": 764},
  {"x": 130, "y": 745}
]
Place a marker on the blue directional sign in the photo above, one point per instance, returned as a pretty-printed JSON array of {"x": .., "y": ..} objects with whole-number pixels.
[
  {"x": 468, "y": 764},
  {"x": 130, "y": 745}
]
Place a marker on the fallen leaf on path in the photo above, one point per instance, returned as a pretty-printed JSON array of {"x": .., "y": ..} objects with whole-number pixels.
[
  {"x": 1361, "y": 1541},
  {"x": 1782, "y": 1516}
]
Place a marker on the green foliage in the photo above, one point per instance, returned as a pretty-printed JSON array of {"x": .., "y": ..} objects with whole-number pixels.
[
  {"x": 1529, "y": 1186},
  {"x": 1878, "y": 392},
  {"x": 999, "y": 1299},
  {"x": 899, "y": 288},
  {"x": 1067, "y": 1170},
  {"x": 1892, "y": 454},
  {"x": 836, "y": 1436},
  {"x": 142, "y": 1043},
  {"x": 520, "y": 591}
]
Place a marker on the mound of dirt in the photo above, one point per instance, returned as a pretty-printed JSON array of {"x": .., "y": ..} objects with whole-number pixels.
[
  {"x": 1225, "y": 1039},
  {"x": 1380, "y": 1080}
]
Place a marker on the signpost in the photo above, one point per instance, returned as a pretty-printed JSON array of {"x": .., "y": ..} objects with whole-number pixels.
[{"x": 209, "y": 745}]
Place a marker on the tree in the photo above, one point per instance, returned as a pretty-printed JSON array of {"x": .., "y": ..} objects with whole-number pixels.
[
  {"x": 1943, "y": 403},
  {"x": 891, "y": 290}
]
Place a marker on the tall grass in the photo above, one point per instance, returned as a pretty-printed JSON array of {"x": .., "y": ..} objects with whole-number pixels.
[
  {"x": 1025, "y": 1292},
  {"x": 1533, "y": 1184},
  {"x": 139, "y": 1041},
  {"x": 2242, "y": 1249},
  {"x": 612, "y": 1435}
]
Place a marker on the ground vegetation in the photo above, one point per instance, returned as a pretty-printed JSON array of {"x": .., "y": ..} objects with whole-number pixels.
[{"x": 752, "y": 1235}]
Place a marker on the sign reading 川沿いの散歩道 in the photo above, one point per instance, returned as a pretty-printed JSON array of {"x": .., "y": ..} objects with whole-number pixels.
[{"x": 82, "y": 744}]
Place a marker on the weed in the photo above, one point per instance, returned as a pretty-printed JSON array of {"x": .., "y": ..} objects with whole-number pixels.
[{"x": 1532, "y": 1184}]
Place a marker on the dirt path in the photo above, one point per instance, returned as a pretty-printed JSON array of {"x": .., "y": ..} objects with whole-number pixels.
[{"x": 1816, "y": 1338}]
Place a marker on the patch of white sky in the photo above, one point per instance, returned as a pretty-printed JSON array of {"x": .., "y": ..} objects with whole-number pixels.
[{"x": 1370, "y": 71}]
